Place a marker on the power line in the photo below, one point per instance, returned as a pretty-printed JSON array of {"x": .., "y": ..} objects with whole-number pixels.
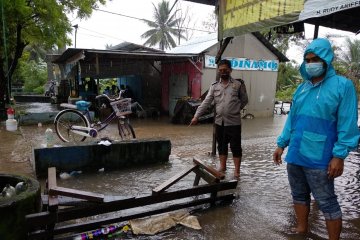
[
  {"x": 142, "y": 19},
  {"x": 104, "y": 35}
]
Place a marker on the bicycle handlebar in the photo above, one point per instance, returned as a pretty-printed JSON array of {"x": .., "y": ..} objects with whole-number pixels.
[{"x": 110, "y": 99}]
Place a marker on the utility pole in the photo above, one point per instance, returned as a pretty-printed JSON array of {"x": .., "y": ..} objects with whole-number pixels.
[{"x": 76, "y": 28}]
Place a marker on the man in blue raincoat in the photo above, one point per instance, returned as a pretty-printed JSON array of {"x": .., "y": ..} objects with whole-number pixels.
[{"x": 320, "y": 131}]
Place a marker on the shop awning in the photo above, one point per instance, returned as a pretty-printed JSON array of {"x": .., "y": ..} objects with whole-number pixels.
[{"x": 239, "y": 17}]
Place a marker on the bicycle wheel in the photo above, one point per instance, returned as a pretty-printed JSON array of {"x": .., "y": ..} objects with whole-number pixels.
[
  {"x": 126, "y": 131},
  {"x": 65, "y": 120}
]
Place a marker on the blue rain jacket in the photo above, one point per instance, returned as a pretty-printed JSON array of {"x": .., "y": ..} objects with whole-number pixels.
[{"x": 322, "y": 122}]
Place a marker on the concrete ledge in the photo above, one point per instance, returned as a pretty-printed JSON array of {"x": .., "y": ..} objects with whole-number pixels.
[
  {"x": 35, "y": 118},
  {"x": 32, "y": 98},
  {"x": 91, "y": 157},
  {"x": 43, "y": 117}
]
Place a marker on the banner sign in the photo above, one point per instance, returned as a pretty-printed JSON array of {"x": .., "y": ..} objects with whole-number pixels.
[
  {"x": 245, "y": 64},
  {"x": 237, "y": 17}
]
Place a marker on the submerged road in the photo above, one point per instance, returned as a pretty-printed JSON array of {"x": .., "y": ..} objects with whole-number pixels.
[{"x": 262, "y": 208}]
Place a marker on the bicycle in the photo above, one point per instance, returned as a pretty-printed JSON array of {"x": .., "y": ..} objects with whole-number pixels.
[{"x": 75, "y": 124}]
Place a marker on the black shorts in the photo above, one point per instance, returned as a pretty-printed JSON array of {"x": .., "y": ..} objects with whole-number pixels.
[{"x": 226, "y": 135}]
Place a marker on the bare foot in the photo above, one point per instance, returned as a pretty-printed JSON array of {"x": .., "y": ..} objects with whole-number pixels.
[
  {"x": 222, "y": 170},
  {"x": 237, "y": 175},
  {"x": 299, "y": 230}
]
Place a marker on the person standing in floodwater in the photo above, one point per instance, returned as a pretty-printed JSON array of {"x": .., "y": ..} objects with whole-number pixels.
[
  {"x": 320, "y": 131},
  {"x": 230, "y": 97}
]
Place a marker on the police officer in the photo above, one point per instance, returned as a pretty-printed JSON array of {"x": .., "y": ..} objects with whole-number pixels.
[{"x": 230, "y": 97}]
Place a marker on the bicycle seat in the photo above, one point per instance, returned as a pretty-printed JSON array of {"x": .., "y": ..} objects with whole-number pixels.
[{"x": 82, "y": 105}]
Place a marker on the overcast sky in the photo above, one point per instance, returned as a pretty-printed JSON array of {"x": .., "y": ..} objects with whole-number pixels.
[{"x": 105, "y": 28}]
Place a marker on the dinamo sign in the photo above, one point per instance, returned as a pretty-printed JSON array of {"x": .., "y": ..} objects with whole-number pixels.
[{"x": 245, "y": 64}]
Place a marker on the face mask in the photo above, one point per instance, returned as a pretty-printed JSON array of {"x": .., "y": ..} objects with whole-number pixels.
[
  {"x": 225, "y": 76},
  {"x": 314, "y": 69}
]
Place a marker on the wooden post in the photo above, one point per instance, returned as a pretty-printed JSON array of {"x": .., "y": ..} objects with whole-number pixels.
[
  {"x": 53, "y": 200},
  {"x": 213, "y": 171},
  {"x": 316, "y": 31},
  {"x": 53, "y": 205}
]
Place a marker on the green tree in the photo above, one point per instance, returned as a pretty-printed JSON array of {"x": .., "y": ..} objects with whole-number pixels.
[
  {"x": 288, "y": 79},
  {"x": 163, "y": 28},
  {"x": 39, "y": 22},
  {"x": 348, "y": 62},
  {"x": 282, "y": 41},
  {"x": 32, "y": 72}
]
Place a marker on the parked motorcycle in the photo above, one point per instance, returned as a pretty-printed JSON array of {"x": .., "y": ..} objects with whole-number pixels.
[{"x": 51, "y": 91}]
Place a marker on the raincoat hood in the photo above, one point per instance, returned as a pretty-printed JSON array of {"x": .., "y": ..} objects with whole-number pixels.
[
  {"x": 321, "y": 47},
  {"x": 322, "y": 122}
]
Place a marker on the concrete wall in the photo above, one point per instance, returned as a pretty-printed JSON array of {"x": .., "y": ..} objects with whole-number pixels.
[{"x": 91, "y": 157}]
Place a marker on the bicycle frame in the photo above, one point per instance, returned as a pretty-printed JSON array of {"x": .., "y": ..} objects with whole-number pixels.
[
  {"x": 88, "y": 126},
  {"x": 103, "y": 124},
  {"x": 99, "y": 126}
]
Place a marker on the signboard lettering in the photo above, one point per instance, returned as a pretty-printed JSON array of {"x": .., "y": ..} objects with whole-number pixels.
[{"x": 246, "y": 64}]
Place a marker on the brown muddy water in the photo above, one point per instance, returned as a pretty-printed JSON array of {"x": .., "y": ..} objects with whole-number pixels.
[{"x": 262, "y": 208}]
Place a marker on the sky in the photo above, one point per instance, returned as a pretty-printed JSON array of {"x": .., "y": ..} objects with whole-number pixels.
[
  {"x": 335, "y": 36},
  {"x": 104, "y": 28}
]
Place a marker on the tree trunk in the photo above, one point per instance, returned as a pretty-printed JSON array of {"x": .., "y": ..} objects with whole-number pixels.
[
  {"x": 5, "y": 85},
  {"x": 3, "y": 88}
]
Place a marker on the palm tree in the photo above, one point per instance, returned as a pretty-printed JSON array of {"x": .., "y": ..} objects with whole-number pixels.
[
  {"x": 350, "y": 60},
  {"x": 162, "y": 28}
]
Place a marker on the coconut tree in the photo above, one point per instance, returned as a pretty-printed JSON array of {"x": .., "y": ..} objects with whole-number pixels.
[
  {"x": 350, "y": 60},
  {"x": 163, "y": 28}
]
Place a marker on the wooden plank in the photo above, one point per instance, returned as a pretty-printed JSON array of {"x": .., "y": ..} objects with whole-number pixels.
[
  {"x": 206, "y": 176},
  {"x": 93, "y": 224},
  {"x": 211, "y": 170},
  {"x": 53, "y": 200},
  {"x": 168, "y": 183},
  {"x": 36, "y": 220},
  {"x": 70, "y": 201},
  {"x": 95, "y": 197},
  {"x": 197, "y": 179},
  {"x": 100, "y": 208},
  {"x": 49, "y": 218}
]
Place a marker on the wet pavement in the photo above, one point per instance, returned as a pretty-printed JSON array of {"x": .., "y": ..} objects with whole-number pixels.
[{"x": 262, "y": 208}]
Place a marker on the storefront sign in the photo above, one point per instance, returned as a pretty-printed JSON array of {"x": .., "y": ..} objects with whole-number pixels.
[
  {"x": 237, "y": 17},
  {"x": 246, "y": 64}
]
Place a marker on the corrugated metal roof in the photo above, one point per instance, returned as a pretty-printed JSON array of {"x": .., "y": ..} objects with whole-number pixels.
[
  {"x": 89, "y": 54},
  {"x": 196, "y": 45},
  {"x": 128, "y": 46},
  {"x": 201, "y": 44}
]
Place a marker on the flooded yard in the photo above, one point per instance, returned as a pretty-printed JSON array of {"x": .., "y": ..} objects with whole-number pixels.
[{"x": 262, "y": 208}]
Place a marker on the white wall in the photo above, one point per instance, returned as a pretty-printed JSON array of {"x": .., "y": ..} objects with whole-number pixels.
[{"x": 261, "y": 85}]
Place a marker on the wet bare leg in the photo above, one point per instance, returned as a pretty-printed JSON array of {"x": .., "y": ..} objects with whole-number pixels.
[
  {"x": 237, "y": 163},
  {"x": 223, "y": 159},
  {"x": 334, "y": 228},
  {"x": 302, "y": 214}
]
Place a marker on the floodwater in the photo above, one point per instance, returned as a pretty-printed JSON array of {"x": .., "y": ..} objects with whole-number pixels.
[{"x": 262, "y": 208}]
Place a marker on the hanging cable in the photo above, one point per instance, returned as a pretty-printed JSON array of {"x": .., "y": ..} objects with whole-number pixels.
[{"x": 142, "y": 19}]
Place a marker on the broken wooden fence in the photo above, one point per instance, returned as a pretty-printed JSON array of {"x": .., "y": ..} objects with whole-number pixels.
[{"x": 52, "y": 221}]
